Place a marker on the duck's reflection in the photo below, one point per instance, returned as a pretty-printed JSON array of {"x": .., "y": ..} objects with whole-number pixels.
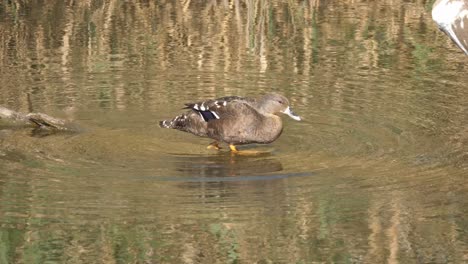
[
  {"x": 225, "y": 176},
  {"x": 227, "y": 165}
]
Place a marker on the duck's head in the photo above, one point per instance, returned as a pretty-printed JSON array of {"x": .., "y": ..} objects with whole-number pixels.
[{"x": 273, "y": 103}]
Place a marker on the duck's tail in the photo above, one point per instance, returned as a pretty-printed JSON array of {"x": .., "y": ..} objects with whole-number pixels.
[
  {"x": 189, "y": 122},
  {"x": 178, "y": 122}
]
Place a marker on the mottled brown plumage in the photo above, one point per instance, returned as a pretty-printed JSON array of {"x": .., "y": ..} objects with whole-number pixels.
[{"x": 234, "y": 120}]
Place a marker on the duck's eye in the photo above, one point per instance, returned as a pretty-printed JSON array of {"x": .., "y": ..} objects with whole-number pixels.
[{"x": 280, "y": 101}]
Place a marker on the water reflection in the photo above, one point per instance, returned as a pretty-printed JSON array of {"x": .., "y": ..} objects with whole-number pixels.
[
  {"x": 226, "y": 165},
  {"x": 376, "y": 174}
]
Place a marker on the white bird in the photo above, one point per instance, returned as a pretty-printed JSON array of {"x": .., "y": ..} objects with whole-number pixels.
[{"x": 451, "y": 17}]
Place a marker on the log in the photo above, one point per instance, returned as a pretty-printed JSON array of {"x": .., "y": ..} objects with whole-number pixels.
[{"x": 39, "y": 120}]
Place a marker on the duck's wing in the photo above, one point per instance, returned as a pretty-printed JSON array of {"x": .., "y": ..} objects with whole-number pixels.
[
  {"x": 218, "y": 108},
  {"x": 451, "y": 16}
]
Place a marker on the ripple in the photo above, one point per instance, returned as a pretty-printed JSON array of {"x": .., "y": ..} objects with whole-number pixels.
[{"x": 268, "y": 177}]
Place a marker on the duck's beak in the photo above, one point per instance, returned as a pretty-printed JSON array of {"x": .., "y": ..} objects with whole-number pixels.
[{"x": 291, "y": 114}]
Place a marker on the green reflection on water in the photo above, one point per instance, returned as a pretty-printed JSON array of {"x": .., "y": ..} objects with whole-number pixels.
[{"x": 375, "y": 173}]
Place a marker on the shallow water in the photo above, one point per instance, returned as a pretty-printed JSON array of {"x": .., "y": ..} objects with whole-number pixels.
[{"x": 376, "y": 172}]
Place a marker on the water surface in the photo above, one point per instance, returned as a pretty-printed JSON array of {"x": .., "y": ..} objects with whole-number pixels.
[{"x": 376, "y": 172}]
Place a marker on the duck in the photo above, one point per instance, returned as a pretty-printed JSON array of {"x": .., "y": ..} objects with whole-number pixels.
[
  {"x": 451, "y": 16},
  {"x": 234, "y": 120}
]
